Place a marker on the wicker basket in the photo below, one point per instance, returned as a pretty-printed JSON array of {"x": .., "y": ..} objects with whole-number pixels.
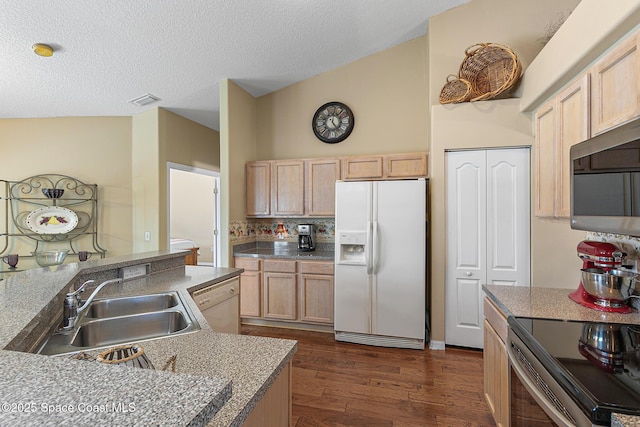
[
  {"x": 491, "y": 69},
  {"x": 455, "y": 90}
]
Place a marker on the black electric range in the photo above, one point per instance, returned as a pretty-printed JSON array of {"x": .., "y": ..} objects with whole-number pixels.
[{"x": 601, "y": 375}]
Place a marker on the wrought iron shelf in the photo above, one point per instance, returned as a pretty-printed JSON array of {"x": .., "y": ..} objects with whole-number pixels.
[{"x": 24, "y": 197}]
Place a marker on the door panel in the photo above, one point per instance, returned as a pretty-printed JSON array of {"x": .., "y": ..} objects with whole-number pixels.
[
  {"x": 488, "y": 226},
  {"x": 399, "y": 264},
  {"x": 508, "y": 211},
  {"x": 466, "y": 250}
]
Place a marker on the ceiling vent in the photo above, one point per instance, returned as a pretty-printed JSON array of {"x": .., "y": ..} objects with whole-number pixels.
[{"x": 143, "y": 100}]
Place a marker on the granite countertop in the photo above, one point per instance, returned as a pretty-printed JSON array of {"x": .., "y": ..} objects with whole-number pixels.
[
  {"x": 552, "y": 303},
  {"x": 283, "y": 250},
  {"x": 219, "y": 377}
]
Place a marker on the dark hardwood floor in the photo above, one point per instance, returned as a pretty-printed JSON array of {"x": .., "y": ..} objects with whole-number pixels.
[{"x": 342, "y": 384}]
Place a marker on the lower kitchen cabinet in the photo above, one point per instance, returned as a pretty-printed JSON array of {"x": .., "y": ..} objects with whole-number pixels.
[
  {"x": 496, "y": 364},
  {"x": 274, "y": 409},
  {"x": 279, "y": 290},
  {"x": 316, "y": 292},
  {"x": 296, "y": 292},
  {"x": 250, "y": 286}
]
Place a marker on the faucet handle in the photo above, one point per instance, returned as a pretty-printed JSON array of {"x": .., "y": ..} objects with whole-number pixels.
[{"x": 78, "y": 291}]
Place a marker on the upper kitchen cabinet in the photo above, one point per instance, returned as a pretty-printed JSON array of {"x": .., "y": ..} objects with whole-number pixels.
[
  {"x": 287, "y": 183},
  {"x": 388, "y": 166},
  {"x": 258, "y": 188},
  {"x": 616, "y": 85},
  {"x": 320, "y": 188},
  {"x": 560, "y": 123}
]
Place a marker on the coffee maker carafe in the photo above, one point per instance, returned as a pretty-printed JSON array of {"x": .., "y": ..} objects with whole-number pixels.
[{"x": 306, "y": 238}]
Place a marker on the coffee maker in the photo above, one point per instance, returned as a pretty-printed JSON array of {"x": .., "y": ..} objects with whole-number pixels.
[{"x": 306, "y": 238}]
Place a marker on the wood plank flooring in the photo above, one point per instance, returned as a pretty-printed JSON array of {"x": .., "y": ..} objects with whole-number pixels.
[{"x": 343, "y": 384}]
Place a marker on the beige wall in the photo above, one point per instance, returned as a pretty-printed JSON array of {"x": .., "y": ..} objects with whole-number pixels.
[
  {"x": 160, "y": 136},
  {"x": 387, "y": 93},
  {"x": 573, "y": 48},
  {"x": 496, "y": 123},
  {"x": 95, "y": 150},
  {"x": 237, "y": 146}
]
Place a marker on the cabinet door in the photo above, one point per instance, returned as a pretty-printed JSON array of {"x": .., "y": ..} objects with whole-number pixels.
[
  {"x": 258, "y": 186},
  {"x": 616, "y": 86},
  {"x": 573, "y": 127},
  {"x": 412, "y": 165},
  {"x": 250, "y": 301},
  {"x": 320, "y": 190},
  {"x": 288, "y": 187},
  {"x": 496, "y": 376},
  {"x": 316, "y": 298},
  {"x": 279, "y": 296},
  {"x": 545, "y": 155},
  {"x": 362, "y": 168}
]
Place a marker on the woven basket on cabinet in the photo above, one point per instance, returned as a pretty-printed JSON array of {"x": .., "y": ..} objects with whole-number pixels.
[
  {"x": 491, "y": 69},
  {"x": 455, "y": 90}
]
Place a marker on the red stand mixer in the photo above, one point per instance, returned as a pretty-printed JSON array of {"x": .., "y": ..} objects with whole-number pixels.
[{"x": 604, "y": 257}]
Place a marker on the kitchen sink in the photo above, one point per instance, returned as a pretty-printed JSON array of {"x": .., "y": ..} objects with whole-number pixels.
[
  {"x": 114, "y": 307},
  {"x": 115, "y": 321},
  {"x": 104, "y": 332}
]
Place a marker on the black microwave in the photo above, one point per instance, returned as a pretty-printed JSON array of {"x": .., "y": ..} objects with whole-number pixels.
[{"x": 605, "y": 182}]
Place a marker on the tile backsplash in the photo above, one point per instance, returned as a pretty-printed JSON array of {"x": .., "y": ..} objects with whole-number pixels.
[
  {"x": 265, "y": 229},
  {"x": 628, "y": 244}
]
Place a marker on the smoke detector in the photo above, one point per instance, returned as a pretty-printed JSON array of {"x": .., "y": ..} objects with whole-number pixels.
[{"x": 143, "y": 100}]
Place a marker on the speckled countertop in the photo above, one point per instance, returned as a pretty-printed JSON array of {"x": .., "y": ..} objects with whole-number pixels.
[
  {"x": 283, "y": 250},
  {"x": 552, "y": 303},
  {"x": 219, "y": 377}
]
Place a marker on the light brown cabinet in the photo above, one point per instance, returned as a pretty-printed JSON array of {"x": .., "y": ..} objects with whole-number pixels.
[
  {"x": 286, "y": 290},
  {"x": 250, "y": 286},
  {"x": 279, "y": 290},
  {"x": 560, "y": 123},
  {"x": 287, "y": 185},
  {"x": 616, "y": 85},
  {"x": 274, "y": 408},
  {"x": 388, "y": 166},
  {"x": 316, "y": 291},
  {"x": 496, "y": 364},
  {"x": 320, "y": 189},
  {"x": 306, "y": 188},
  {"x": 258, "y": 188}
]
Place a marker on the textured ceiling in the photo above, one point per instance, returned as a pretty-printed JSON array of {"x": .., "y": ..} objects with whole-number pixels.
[{"x": 109, "y": 52}]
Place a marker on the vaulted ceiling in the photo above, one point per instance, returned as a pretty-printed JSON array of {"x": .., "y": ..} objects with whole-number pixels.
[{"x": 107, "y": 53}]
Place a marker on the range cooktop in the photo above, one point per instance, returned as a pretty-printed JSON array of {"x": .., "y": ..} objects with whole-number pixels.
[{"x": 597, "y": 364}]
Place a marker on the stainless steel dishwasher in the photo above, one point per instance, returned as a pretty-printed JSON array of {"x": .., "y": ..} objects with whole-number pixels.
[{"x": 220, "y": 305}]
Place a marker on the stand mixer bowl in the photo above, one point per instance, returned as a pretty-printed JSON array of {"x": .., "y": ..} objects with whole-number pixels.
[{"x": 609, "y": 288}]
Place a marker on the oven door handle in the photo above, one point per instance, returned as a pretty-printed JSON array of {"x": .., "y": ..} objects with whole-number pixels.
[{"x": 557, "y": 416}]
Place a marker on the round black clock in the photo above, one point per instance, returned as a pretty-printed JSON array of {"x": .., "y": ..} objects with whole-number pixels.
[{"x": 333, "y": 122}]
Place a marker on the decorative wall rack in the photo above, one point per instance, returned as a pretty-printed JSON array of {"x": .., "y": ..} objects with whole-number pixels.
[{"x": 50, "y": 211}]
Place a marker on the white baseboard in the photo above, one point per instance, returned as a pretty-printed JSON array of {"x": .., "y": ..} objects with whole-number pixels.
[{"x": 436, "y": 345}]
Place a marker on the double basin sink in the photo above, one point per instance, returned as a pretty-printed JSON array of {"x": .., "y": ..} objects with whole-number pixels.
[{"x": 115, "y": 321}]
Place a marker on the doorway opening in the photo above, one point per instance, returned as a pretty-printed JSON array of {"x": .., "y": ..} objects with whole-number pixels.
[{"x": 193, "y": 211}]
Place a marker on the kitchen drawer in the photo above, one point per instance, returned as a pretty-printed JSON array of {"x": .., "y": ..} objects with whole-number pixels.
[
  {"x": 279, "y": 266},
  {"x": 251, "y": 264},
  {"x": 496, "y": 319},
  {"x": 311, "y": 267}
]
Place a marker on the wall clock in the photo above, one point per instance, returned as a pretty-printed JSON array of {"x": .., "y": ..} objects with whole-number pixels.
[{"x": 333, "y": 122}]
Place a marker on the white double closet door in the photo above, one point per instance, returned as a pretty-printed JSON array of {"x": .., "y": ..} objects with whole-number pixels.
[{"x": 488, "y": 234}]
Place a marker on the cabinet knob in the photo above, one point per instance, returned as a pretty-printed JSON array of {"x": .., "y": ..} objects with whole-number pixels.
[
  {"x": 232, "y": 290},
  {"x": 468, "y": 274}
]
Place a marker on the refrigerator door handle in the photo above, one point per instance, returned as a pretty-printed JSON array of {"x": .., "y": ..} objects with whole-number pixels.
[
  {"x": 368, "y": 248},
  {"x": 375, "y": 248}
]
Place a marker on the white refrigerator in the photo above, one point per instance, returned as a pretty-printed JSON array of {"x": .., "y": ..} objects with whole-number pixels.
[{"x": 380, "y": 263}]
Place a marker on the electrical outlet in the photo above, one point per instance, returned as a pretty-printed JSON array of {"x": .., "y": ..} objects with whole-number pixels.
[{"x": 147, "y": 236}]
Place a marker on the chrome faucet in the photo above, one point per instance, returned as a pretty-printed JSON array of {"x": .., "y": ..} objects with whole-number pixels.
[{"x": 71, "y": 311}]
